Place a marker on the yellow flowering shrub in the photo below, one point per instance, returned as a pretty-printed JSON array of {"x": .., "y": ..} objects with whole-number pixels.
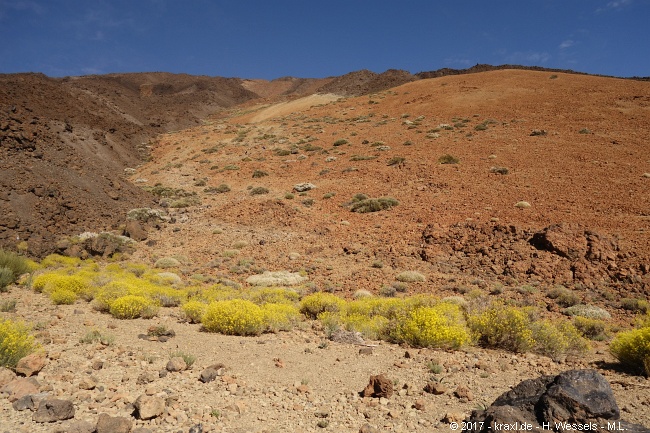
[
  {"x": 320, "y": 302},
  {"x": 280, "y": 317},
  {"x": 105, "y": 297},
  {"x": 58, "y": 261},
  {"x": 133, "y": 306},
  {"x": 15, "y": 343},
  {"x": 555, "y": 339},
  {"x": 194, "y": 310},
  {"x": 632, "y": 348},
  {"x": 504, "y": 327},
  {"x": 234, "y": 317},
  {"x": 374, "y": 327},
  {"x": 61, "y": 296},
  {"x": 274, "y": 295},
  {"x": 442, "y": 325}
]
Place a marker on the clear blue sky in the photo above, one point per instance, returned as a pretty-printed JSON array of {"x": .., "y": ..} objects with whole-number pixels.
[{"x": 309, "y": 38}]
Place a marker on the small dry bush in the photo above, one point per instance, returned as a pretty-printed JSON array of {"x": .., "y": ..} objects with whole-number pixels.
[{"x": 410, "y": 277}]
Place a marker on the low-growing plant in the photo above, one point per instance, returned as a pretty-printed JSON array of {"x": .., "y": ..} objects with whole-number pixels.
[
  {"x": 234, "y": 317},
  {"x": 259, "y": 173},
  {"x": 8, "y": 305},
  {"x": 95, "y": 336},
  {"x": 193, "y": 310},
  {"x": 133, "y": 306},
  {"x": 563, "y": 296},
  {"x": 410, "y": 277},
  {"x": 340, "y": 142},
  {"x": 166, "y": 263},
  {"x": 442, "y": 326},
  {"x": 15, "y": 343},
  {"x": 632, "y": 348},
  {"x": 280, "y": 317},
  {"x": 259, "y": 190},
  {"x": 556, "y": 339},
  {"x": 499, "y": 170},
  {"x": 503, "y": 327},
  {"x": 373, "y": 204},
  {"x": 320, "y": 302},
  {"x": 448, "y": 159},
  {"x": 12, "y": 266},
  {"x": 396, "y": 160},
  {"x": 593, "y": 329},
  {"x": 187, "y": 357},
  {"x": 636, "y": 305},
  {"x": 435, "y": 368},
  {"x": 220, "y": 189},
  {"x": 587, "y": 311}
]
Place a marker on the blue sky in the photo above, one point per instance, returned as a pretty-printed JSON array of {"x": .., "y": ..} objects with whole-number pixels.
[{"x": 308, "y": 38}]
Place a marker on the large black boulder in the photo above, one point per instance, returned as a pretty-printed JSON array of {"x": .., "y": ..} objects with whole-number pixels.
[{"x": 576, "y": 400}]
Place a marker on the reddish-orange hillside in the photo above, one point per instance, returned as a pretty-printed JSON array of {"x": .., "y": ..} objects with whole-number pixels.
[{"x": 574, "y": 148}]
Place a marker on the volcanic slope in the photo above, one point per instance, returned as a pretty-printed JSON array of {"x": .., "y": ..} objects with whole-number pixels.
[{"x": 572, "y": 147}]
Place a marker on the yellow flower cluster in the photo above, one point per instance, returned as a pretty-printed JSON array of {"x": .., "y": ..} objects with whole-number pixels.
[
  {"x": 194, "y": 310},
  {"x": 440, "y": 326},
  {"x": 234, "y": 317},
  {"x": 15, "y": 343},
  {"x": 133, "y": 306},
  {"x": 320, "y": 302}
]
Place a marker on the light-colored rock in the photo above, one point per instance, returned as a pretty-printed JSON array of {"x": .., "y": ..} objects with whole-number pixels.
[
  {"x": 149, "y": 406},
  {"x": 53, "y": 409},
  {"x": 19, "y": 388},
  {"x": 31, "y": 364}
]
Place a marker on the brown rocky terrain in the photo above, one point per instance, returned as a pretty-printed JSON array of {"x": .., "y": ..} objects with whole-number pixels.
[{"x": 549, "y": 188}]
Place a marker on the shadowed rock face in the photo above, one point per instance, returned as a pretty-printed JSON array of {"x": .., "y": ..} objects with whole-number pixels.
[{"x": 557, "y": 403}]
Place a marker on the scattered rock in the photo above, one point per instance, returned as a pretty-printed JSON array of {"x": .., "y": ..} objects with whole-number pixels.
[
  {"x": 53, "y": 409},
  {"x": 88, "y": 383},
  {"x": 378, "y": 386},
  {"x": 18, "y": 388},
  {"x": 6, "y": 376},
  {"x": 302, "y": 187},
  {"x": 79, "y": 426},
  {"x": 463, "y": 393},
  {"x": 419, "y": 404},
  {"x": 435, "y": 388},
  {"x": 347, "y": 337},
  {"x": 176, "y": 364},
  {"x": 148, "y": 407},
  {"x": 365, "y": 351},
  {"x": 113, "y": 424},
  {"x": 30, "y": 401},
  {"x": 31, "y": 364},
  {"x": 212, "y": 372},
  {"x": 135, "y": 230},
  {"x": 367, "y": 428}
]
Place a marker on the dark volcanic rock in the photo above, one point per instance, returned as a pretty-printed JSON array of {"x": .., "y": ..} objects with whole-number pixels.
[{"x": 562, "y": 402}]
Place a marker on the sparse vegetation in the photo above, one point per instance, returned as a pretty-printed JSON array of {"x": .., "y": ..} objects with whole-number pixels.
[
  {"x": 15, "y": 343},
  {"x": 448, "y": 159},
  {"x": 362, "y": 204},
  {"x": 11, "y": 267},
  {"x": 259, "y": 190}
]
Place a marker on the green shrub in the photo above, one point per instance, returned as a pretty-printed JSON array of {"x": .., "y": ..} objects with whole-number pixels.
[
  {"x": 593, "y": 329},
  {"x": 632, "y": 348},
  {"x": 187, "y": 357},
  {"x": 636, "y": 305},
  {"x": 563, "y": 296},
  {"x": 259, "y": 190},
  {"x": 8, "y": 305},
  {"x": 15, "y": 343},
  {"x": 234, "y": 317},
  {"x": 503, "y": 327},
  {"x": 259, "y": 173},
  {"x": 440, "y": 326},
  {"x": 18, "y": 265},
  {"x": 95, "y": 336},
  {"x": 132, "y": 306},
  {"x": 6, "y": 277},
  {"x": 448, "y": 159},
  {"x": 320, "y": 302},
  {"x": 556, "y": 339},
  {"x": 373, "y": 204},
  {"x": 222, "y": 188}
]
